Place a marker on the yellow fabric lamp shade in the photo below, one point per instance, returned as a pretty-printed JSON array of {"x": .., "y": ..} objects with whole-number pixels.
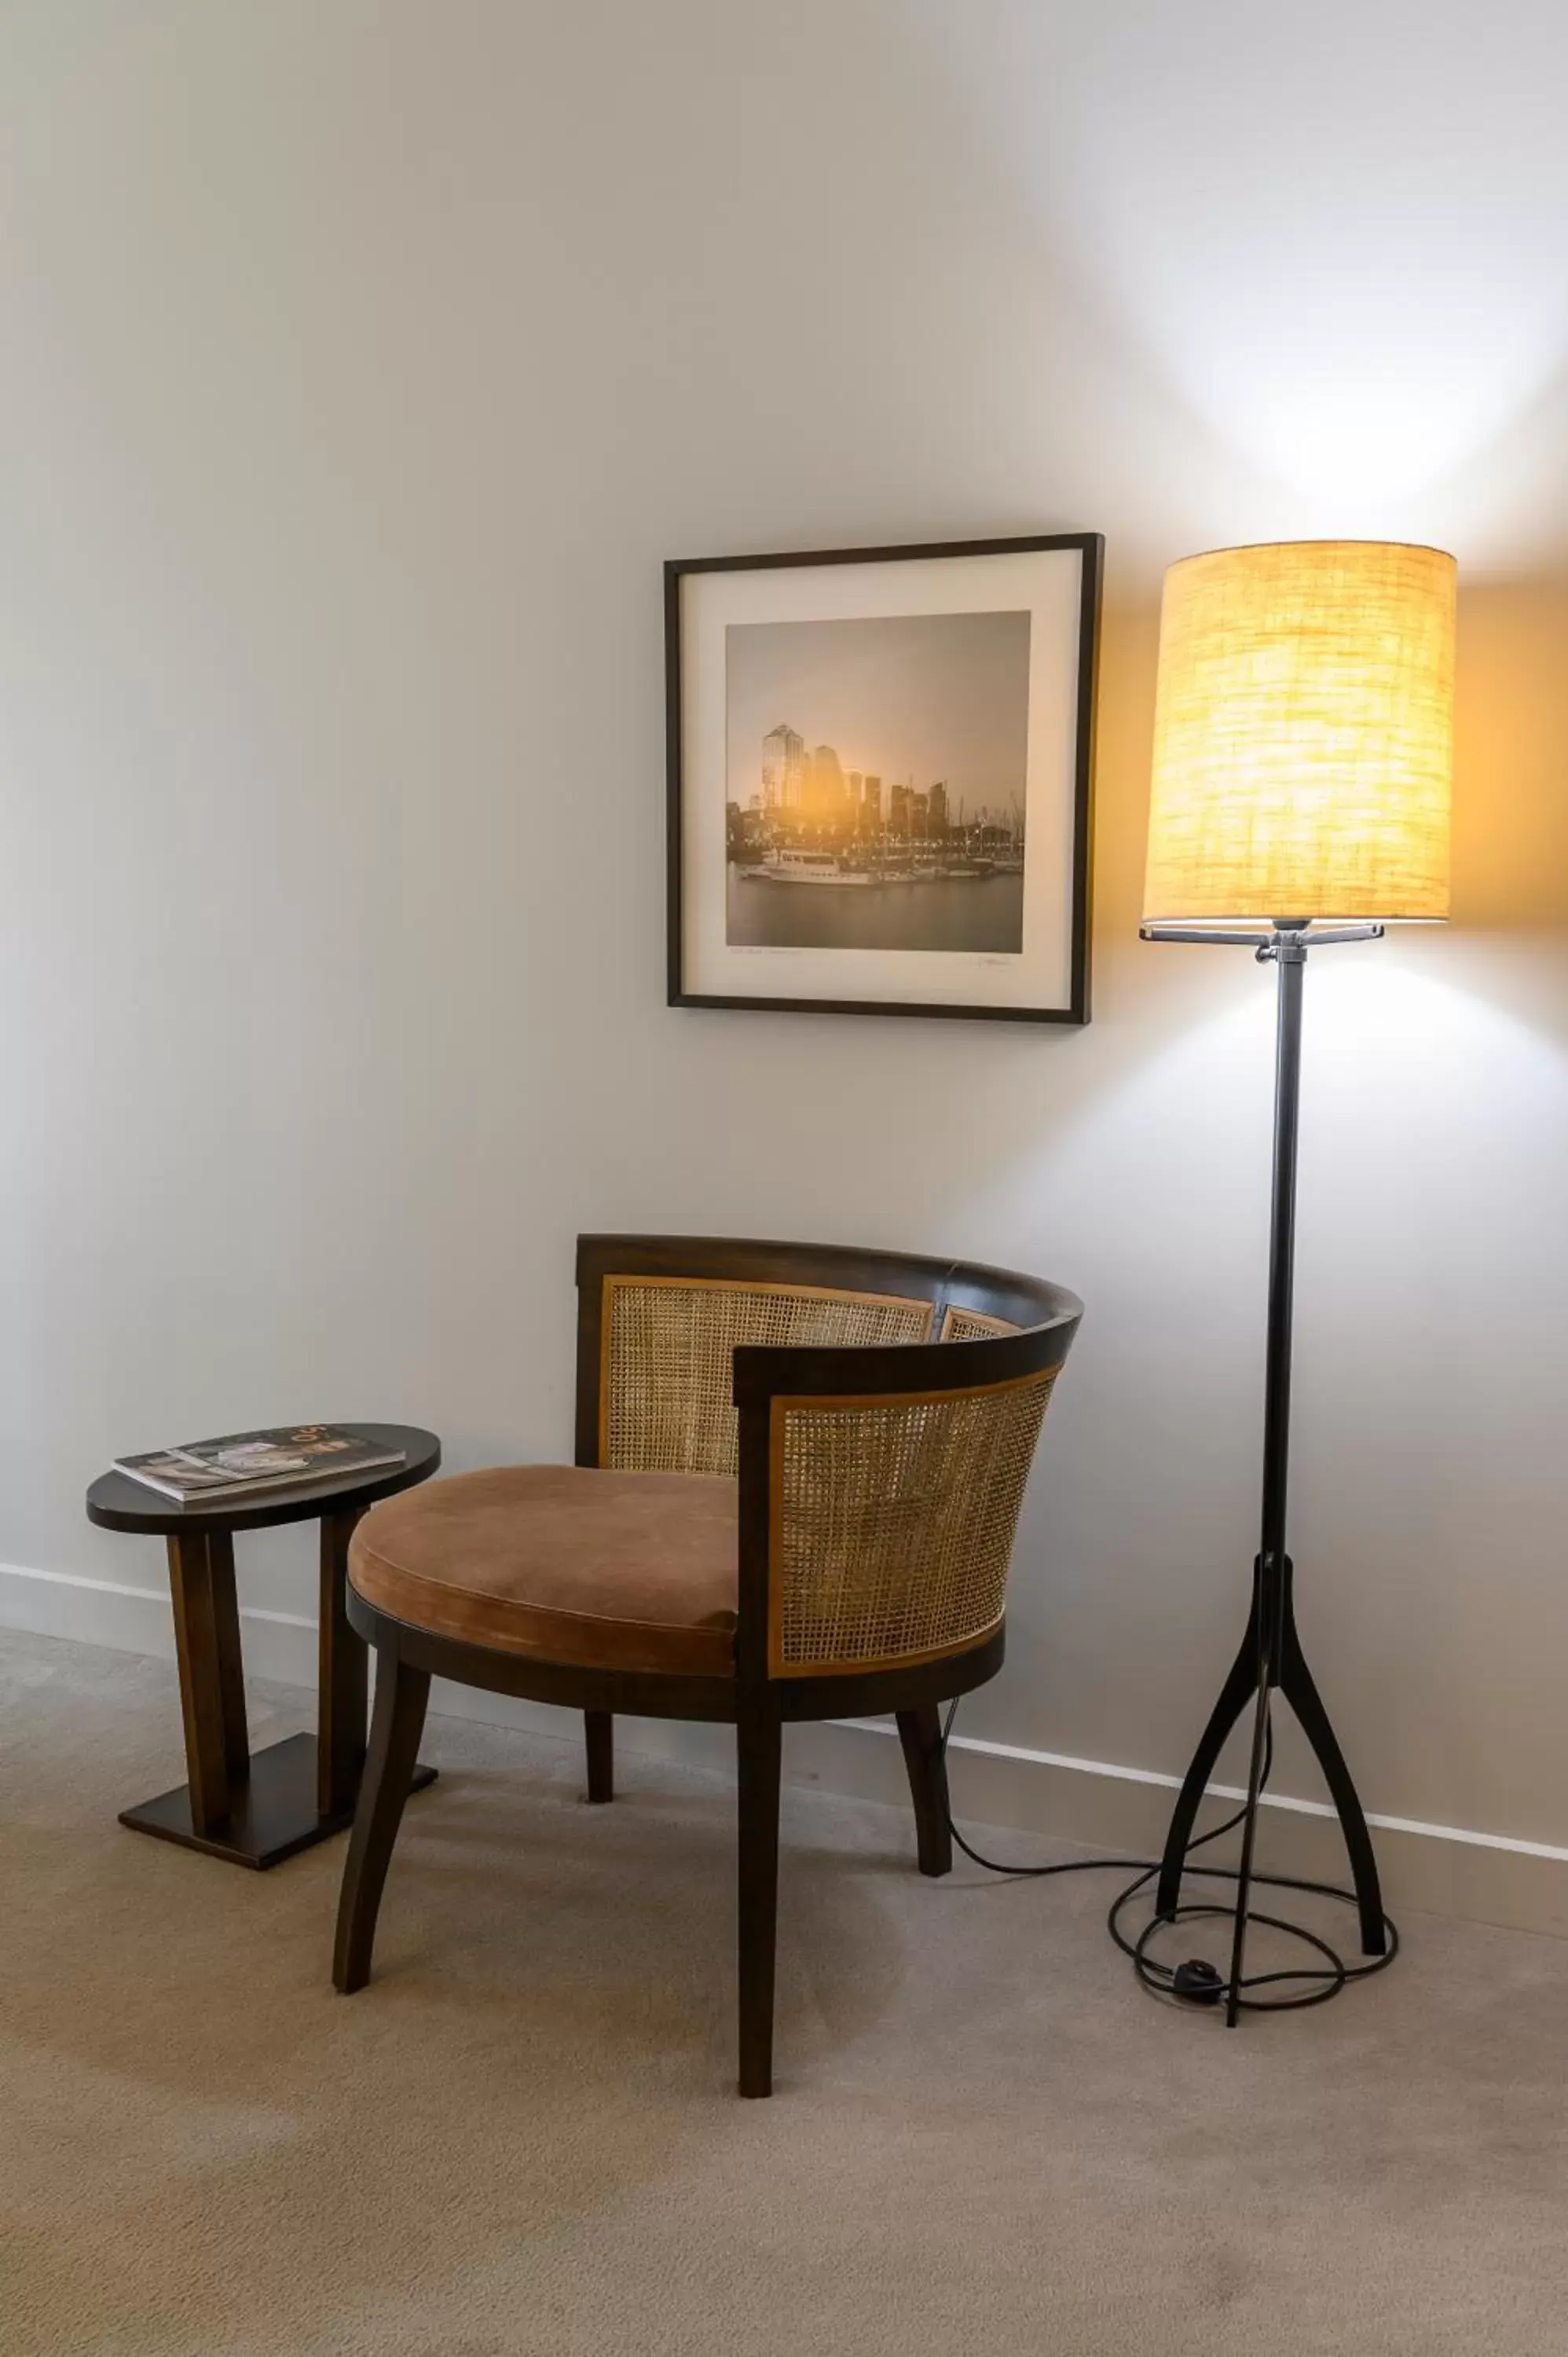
[{"x": 1302, "y": 735}]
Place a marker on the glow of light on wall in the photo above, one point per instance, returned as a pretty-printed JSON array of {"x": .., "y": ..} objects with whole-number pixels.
[
  {"x": 1390, "y": 1028},
  {"x": 1338, "y": 238},
  {"x": 1358, "y": 356}
]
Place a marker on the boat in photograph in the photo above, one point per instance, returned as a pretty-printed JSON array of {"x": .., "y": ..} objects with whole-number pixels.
[{"x": 808, "y": 867}]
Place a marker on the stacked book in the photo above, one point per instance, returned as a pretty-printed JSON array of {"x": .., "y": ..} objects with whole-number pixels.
[{"x": 282, "y": 1458}]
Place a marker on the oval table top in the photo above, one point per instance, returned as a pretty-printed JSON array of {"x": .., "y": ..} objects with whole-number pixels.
[{"x": 118, "y": 1504}]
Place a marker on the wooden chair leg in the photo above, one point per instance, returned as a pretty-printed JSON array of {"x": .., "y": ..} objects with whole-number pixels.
[
  {"x": 342, "y": 1676},
  {"x": 920, "y": 1732},
  {"x": 396, "y": 1725},
  {"x": 757, "y": 1758},
  {"x": 598, "y": 1726}
]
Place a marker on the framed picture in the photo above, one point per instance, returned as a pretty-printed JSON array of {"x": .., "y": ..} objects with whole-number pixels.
[{"x": 880, "y": 763}]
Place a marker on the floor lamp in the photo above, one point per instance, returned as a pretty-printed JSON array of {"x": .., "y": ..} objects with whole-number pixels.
[{"x": 1302, "y": 749}]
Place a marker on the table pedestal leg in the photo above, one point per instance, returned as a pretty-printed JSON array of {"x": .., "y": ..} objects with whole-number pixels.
[
  {"x": 257, "y": 1810},
  {"x": 211, "y": 1681}
]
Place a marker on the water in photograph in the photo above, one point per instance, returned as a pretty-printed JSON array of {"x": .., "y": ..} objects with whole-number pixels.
[{"x": 970, "y": 914}]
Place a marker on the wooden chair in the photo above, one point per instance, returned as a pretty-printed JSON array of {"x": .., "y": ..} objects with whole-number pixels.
[{"x": 799, "y": 1474}]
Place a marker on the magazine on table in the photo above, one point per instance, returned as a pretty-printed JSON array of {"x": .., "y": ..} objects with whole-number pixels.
[{"x": 282, "y": 1456}]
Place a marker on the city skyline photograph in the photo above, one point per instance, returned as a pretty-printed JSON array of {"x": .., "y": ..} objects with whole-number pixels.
[
  {"x": 933, "y": 695},
  {"x": 876, "y": 779}
]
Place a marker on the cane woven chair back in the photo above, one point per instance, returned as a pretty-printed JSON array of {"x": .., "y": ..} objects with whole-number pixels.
[
  {"x": 895, "y": 1403},
  {"x": 667, "y": 1379},
  {"x": 972, "y": 1324},
  {"x": 893, "y": 1521}
]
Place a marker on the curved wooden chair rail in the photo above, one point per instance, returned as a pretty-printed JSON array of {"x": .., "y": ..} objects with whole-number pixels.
[{"x": 878, "y": 1413}]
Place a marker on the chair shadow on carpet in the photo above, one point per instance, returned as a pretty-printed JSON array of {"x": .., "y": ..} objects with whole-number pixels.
[{"x": 507, "y": 1893}]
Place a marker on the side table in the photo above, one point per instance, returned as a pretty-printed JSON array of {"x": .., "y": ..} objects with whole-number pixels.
[{"x": 256, "y": 1809}]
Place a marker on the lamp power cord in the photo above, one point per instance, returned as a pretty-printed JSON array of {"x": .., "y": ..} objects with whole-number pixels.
[{"x": 1194, "y": 1981}]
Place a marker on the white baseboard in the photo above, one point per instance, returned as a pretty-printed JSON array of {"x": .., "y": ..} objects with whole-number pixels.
[
  {"x": 138, "y": 1620},
  {"x": 1448, "y": 1869}
]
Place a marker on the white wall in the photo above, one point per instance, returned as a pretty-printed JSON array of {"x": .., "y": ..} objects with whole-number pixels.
[{"x": 362, "y": 364}]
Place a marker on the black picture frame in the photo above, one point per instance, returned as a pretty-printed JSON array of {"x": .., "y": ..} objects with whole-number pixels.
[{"x": 1090, "y": 548}]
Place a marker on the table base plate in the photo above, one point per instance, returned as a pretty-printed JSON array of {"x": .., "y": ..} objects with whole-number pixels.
[{"x": 274, "y": 1817}]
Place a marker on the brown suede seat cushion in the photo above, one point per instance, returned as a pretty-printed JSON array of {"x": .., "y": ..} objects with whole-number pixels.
[{"x": 611, "y": 1571}]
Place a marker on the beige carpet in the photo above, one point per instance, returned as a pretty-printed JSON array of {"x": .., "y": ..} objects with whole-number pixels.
[{"x": 521, "y": 2137}]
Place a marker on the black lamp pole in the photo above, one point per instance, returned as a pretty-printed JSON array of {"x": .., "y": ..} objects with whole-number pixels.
[{"x": 1271, "y": 1655}]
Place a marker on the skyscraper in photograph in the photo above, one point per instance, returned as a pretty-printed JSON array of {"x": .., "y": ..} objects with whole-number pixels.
[
  {"x": 871, "y": 800},
  {"x": 937, "y": 819},
  {"x": 783, "y": 768},
  {"x": 824, "y": 791}
]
